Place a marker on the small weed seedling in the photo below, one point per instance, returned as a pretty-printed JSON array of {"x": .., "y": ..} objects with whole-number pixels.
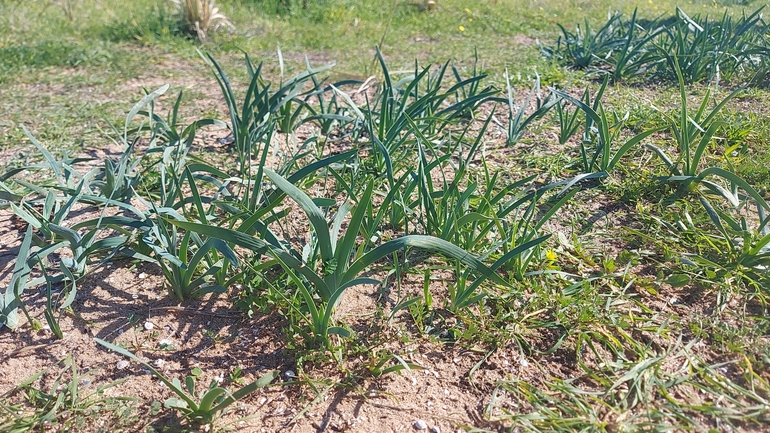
[{"x": 202, "y": 408}]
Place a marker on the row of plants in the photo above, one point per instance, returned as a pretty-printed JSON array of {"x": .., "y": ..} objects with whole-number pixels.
[
  {"x": 705, "y": 48},
  {"x": 404, "y": 170}
]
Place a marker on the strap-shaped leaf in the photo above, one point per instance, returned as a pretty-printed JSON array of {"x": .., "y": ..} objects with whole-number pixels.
[
  {"x": 314, "y": 214},
  {"x": 701, "y": 147},
  {"x": 208, "y": 400},
  {"x": 734, "y": 178},
  {"x": 628, "y": 145},
  {"x": 427, "y": 243},
  {"x": 141, "y": 104},
  {"x": 174, "y": 386},
  {"x": 347, "y": 243},
  {"x": 246, "y": 390}
]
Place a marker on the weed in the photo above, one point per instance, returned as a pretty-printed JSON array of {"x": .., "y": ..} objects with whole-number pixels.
[
  {"x": 204, "y": 407},
  {"x": 71, "y": 403}
]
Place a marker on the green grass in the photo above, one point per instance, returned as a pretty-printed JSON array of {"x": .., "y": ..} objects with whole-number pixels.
[{"x": 642, "y": 274}]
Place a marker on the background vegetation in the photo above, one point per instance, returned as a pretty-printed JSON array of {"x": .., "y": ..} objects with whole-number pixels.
[{"x": 585, "y": 171}]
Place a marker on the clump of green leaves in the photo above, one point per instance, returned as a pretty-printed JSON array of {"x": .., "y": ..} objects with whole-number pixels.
[{"x": 706, "y": 49}]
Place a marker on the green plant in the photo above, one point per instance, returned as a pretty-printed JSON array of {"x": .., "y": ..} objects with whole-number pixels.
[
  {"x": 205, "y": 407},
  {"x": 329, "y": 114},
  {"x": 68, "y": 405},
  {"x": 200, "y": 17},
  {"x": 601, "y": 133},
  {"x": 182, "y": 270},
  {"x": 330, "y": 264},
  {"x": 11, "y": 299},
  {"x": 636, "y": 55},
  {"x": 568, "y": 120},
  {"x": 469, "y": 89},
  {"x": 82, "y": 248},
  {"x": 710, "y": 49},
  {"x": 693, "y": 133},
  {"x": 418, "y": 100},
  {"x": 50, "y": 222},
  {"x": 705, "y": 48},
  {"x": 117, "y": 182},
  {"x": 517, "y": 123},
  {"x": 740, "y": 251},
  {"x": 52, "y": 213},
  {"x": 586, "y": 47},
  {"x": 179, "y": 255},
  {"x": 58, "y": 199},
  {"x": 253, "y": 122}
]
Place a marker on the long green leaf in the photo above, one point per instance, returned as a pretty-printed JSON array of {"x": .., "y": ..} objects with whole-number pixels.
[
  {"x": 262, "y": 382},
  {"x": 734, "y": 178},
  {"x": 141, "y": 104},
  {"x": 173, "y": 386},
  {"x": 628, "y": 145},
  {"x": 426, "y": 243},
  {"x": 347, "y": 243},
  {"x": 259, "y": 246},
  {"x": 314, "y": 214}
]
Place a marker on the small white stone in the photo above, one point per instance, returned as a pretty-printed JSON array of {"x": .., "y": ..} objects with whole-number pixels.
[
  {"x": 435, "y": 429},
  {"x": 290, "y": 374},
  {"x": 262, "y": 401},
  {"x": 134, "y": 296},
  {"x": 142, "y": 276},
  {"x": 122, "y": 364},
  {"x": 165, "y": 342},
  {"x": 158, "y": 363},
  {"x": 524, "y": 362},
  {"x": 149, "y": 326},
  {"x": 420, "y": 425}
]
